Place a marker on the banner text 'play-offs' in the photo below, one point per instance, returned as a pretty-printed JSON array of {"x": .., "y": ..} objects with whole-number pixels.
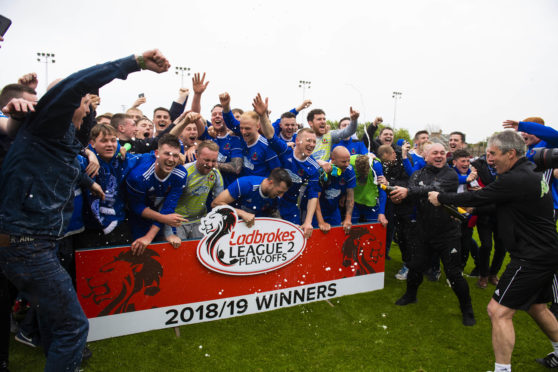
[{"x": 122, "y": 293}]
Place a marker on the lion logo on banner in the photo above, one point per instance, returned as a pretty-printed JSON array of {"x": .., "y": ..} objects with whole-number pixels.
[
  {"x": 361, "y": 247},
  {"x": 119, "y": 280},
  {"x": 216, "y": 225}
]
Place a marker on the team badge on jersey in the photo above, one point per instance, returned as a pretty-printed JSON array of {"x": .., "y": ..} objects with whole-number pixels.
[
  {"x": 227, "y": 146},
  {"x": 255, "y": 156}
]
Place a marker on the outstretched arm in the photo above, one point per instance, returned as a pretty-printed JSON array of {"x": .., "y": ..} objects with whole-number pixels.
[
  {"x": 179, "y": 104},
  {"x": 304, "y": 105},
  {"x": 322, "y": 224},
  {"x": 370, "y": 132},
  {"x": 349, "y": 206},
  {"x": 228, "y": 117},
  {"x": 199, "y": 85},
  {"x": 183, "y": 121},
  {"x": 261, "y": 106},
  {"x": 307, "y": 227},
  {"x": 546, "y": 133},
  {"x": 338, "y": 134},
  {"x": 56, "y": 108}
]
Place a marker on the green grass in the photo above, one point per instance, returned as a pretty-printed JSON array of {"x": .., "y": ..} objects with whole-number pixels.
[{"x": 364, "y": 332}]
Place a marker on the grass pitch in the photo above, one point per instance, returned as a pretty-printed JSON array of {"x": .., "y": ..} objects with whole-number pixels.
[{"x": 363, "y": 332}]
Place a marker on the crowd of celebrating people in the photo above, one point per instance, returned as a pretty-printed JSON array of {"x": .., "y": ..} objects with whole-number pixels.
[{"x": 72, "y": 178}]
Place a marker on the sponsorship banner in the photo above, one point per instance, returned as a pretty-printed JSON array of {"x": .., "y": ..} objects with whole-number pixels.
[{"x": 234, "y": 270}]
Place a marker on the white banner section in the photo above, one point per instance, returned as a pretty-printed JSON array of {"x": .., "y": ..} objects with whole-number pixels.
[{"x": 172, "y": 316}]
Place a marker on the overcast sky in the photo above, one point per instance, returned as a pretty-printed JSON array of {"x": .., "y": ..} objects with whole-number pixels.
[{"x": 461, "y": 65}]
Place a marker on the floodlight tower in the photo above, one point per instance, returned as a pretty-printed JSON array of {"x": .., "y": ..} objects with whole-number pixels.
[
  {"x": 396, "y": 96},
  {"x": 304, "y": 85},
  {"x": 182, "y": 70},
  {"x": 46, "y": 58}
]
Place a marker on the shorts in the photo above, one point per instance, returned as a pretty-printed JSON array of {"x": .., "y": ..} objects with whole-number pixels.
[
  {"x": 187, "y": 231},
  {"x": 364, "y": 213},
  {"x": 522, "y": 286},
  {"x": 290, "y": 212},
  {"x": 331, "y": 217}
]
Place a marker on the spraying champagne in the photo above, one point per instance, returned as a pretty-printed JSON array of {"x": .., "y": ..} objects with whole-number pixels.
[{"x": 457, "y": 212}]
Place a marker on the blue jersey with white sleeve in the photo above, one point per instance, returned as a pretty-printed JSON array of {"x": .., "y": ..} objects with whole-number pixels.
[
  {"x": 247, "y": 191},
  {"x": 304, "y": 175},
  {"x": 258, "y": 158},
  {"x": 146, "y": 190},
  {"x": 335, "y": 188},
  {"x": 229, "y": 148},
  {"x": 354, "y": 147}
]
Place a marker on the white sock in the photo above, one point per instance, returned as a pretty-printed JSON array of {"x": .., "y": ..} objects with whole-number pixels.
[
  {"x": 502, "y": 367},
  {"x": 555, "y": 346}
]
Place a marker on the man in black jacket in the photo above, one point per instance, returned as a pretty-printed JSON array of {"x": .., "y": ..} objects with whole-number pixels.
[
  {"x": 436, "y": 230},
  {"x": 526, "y": 226}
]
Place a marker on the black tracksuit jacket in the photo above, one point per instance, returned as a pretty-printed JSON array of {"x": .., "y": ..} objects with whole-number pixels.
[
  {"x": 435, "y": 223},
  {"x": 525, "y": 213}
]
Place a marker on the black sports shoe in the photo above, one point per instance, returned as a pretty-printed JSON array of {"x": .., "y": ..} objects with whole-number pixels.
[
  {"x": 434, "y": 275},
  {"x": 549, "y": 361},
  {"x": 406, "y": 300},
  {"x": 469, "y": 319}
]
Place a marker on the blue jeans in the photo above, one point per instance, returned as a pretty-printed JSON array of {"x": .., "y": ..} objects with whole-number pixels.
[{"x": 36, "y": 272}]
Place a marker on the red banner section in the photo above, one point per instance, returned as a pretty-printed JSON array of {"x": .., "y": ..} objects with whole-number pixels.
[{"x": 122, "y": 293}]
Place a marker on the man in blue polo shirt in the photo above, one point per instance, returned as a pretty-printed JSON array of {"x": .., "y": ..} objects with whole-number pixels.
[
  {"x": 154, "y": 188},
  {"x": 355, "y": 146},
  {"x": 259, "y": 159},
  {"x": 257, "y": 196},
  {"x": 339, "y": 182}
]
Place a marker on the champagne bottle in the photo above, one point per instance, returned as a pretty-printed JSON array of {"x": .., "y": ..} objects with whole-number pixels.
[
  {"x": 387, "y": 188},
  {"x": 457, "y": 212}
]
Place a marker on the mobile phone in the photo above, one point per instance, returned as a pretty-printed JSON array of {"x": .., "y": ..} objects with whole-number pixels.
[
  {"x": 5, "y": 23},
  {"x": 141, "y": 95}
]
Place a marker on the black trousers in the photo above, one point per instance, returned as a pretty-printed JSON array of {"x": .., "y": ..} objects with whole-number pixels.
[
  {"x": 449, "y": 251},
  {"x": 486, "y": 231},
  {"x": 468, "y": 245},
  {"x": 400, "y": 222}
]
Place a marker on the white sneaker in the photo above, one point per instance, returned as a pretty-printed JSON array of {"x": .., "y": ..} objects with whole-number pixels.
[{"x": 402, "y": 274}]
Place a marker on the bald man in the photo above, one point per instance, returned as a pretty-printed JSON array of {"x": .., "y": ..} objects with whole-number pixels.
[
  {"x": 339, "y": 180},
  {"x": 437, "y": 232}
]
